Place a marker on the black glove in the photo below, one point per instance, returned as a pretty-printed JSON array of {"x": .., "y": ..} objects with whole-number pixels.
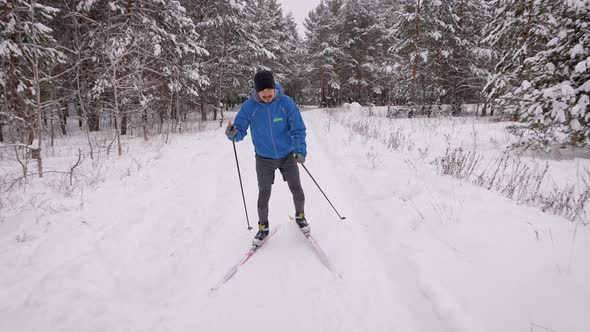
[
  {"x": 231, "y": 132},
  {"x": 299, "y": 158}
]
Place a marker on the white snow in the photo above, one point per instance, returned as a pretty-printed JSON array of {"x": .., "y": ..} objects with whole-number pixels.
[
  {"x": 581, "y": 67},
  {"x": 86, "y": 4},
  {"x": 424, "y": 56},
  {"x": 21, "y": 87},
  {"x": 578, "y": 49},
  {"x": 558, "y": 110},
  {"x": 549, "y": 93},
  {"x": 436, "y": 35},
  {"x": 585, "y": 87},
  {"x": 139, "y": 250},
  {"x": 43, "y": 28},
  {"x": 575, "y": 124}
]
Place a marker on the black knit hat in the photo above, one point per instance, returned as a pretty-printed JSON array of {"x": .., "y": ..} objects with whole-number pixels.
[{"x": 264, "y": 80}]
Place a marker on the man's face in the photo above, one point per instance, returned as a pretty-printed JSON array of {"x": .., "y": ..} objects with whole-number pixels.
[{"x": 267, "y": 95}]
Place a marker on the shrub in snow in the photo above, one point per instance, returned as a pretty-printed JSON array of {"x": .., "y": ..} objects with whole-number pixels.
[
  {"x": 517, "y": 180},
  {"x": 458, "y": 163}
]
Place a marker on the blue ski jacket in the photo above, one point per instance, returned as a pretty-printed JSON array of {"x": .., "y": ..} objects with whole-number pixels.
[{"x": 277, "y": 127}]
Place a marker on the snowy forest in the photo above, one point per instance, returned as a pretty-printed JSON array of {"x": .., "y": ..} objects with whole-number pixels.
[{"x": 145, "y": 65}]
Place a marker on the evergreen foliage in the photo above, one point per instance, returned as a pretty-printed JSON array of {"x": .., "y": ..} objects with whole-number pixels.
[{"x": 143, "y": 63}]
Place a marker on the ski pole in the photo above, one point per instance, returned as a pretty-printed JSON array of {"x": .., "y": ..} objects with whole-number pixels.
[
  {"x": 314, "y": 181},
  {"x": 241, "y": 187}
]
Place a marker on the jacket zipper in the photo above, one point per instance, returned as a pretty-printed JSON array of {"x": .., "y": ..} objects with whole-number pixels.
[{"x": 270, "y": 128}]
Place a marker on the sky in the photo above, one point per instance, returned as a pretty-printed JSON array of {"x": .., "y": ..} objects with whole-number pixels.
[{"x": 299, "y": 8}]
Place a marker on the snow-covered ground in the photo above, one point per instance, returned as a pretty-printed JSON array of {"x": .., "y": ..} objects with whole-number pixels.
[{"x": 140, "y": 248}]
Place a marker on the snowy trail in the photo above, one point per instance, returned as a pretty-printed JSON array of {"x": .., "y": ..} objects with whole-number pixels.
[
  {"x": 285, "y": 285},
  {"x": 144, "y": 258},
  {"x": 159, "y": 257}
]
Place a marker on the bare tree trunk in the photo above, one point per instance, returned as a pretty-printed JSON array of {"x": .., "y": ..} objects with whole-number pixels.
[
  {"x": 118, "y": 136},
  {"x": 124, "y": 124},
  {"x": 415, "y": 66},
  {"x": 221, "y": 74},
  {"x": 37, "y": 94},
  {"x": 203, "y": 111},
  {"x": 178, "y": 114},
  {"x": 322, "y": 89},
  {"x": 52, "y": 131},
  {"x": 144, "y": 118},
  {"x": 117, "y": 111},
  {"x": 22, "y": 164},
  {"x": 82, "y": 120},
  {"x": 63, "y": 118},
  {"x": 5, "y": 110}
]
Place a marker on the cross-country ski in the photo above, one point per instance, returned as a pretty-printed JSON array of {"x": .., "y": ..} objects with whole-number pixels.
[
  {"x": 234, "y": 269},
  {"x": 318, "y": 251}
]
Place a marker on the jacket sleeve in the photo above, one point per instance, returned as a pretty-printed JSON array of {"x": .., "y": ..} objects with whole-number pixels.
[
  {"x": 242, "y": 122},
  {"x": 297, "y": 128}
]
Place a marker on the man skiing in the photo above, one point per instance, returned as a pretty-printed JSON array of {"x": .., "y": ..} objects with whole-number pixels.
[{"x": 278, "y": 135}]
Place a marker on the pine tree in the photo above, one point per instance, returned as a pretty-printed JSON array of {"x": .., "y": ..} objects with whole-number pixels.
[
  {"x": 516, "y": 33},
  {"x": 231, "y": 36},
  {"x": 28, "y": 56},
  {"x": 289, "y": 60},
  {"x": 436, "y": 43},
  {"x": 363, "y": 36},
  {"x": 326, "y": 50},
  {"x": 149, "y": 58},
  {"x": 554, "y": 99}
]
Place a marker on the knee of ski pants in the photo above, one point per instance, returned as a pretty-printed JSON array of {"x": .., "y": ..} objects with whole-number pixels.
[{"x": 265, "y": 182}]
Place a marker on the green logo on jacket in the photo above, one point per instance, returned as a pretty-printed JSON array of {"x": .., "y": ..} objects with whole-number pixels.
[{"x": 277, "y": 119}]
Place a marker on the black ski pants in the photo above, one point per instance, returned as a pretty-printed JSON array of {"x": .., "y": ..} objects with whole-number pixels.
[{"x": 265, "y": 172}]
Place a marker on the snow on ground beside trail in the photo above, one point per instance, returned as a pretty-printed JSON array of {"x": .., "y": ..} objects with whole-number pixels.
[
  {"x": 479, "y": 256},
  {"x": 139, "y": 250},
  {"x": 430, "y": 137}
]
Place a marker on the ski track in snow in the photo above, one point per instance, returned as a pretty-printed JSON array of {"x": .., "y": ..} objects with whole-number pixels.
[{"x": 379, "y": 230}]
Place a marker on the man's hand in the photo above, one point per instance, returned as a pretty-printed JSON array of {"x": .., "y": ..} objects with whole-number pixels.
[
  {"x": 299, "y": 158},
  {"x": 230, "y": 131}
]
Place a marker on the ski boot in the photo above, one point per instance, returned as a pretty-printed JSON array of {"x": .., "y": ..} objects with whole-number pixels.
[
  {"x": 302, "y": 222},
  {"x": 262, "y": 234}
]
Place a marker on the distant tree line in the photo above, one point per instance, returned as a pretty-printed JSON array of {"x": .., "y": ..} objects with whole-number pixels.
[
  {"x": 526, "y": 59},
  {"x": 134, "y": 63}
]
